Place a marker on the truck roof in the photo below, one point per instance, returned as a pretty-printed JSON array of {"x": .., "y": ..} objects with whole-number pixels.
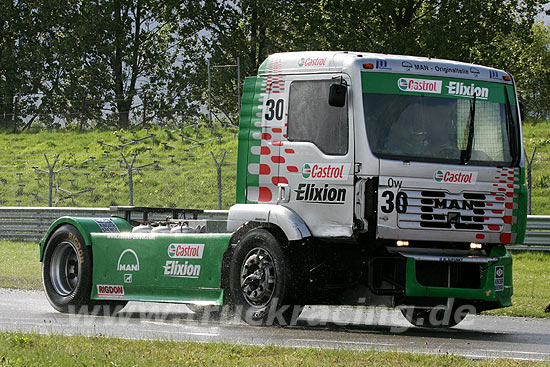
[{"x": 306, "y": 62}]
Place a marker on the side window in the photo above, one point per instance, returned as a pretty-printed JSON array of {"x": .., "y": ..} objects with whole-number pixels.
[{"x": 312, "y": 119}]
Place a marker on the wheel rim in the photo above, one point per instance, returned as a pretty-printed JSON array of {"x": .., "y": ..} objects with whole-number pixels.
[
  {"x": 258, "y": 277},
  {"x": 64, "y": 269}
]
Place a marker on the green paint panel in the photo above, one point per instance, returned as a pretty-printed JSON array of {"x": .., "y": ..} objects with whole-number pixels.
[
  {"x": 387, "y": 83},
  {"x": 485, "y": 293},
  {"x": 86, "y": 226},
  {"x": 251, "y": 110},
  {"x": 253, "y": 180},
  {"x": 158, "y": 267},
  {"x": 245, "y": 120},
  {"x": 522, "y": 204},
  {"x": 263, "y": 67}
]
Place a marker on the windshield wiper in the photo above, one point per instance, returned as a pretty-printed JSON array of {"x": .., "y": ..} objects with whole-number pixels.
[
  {"x": 466, "y": 154},
  {"x": 511, "y": 130}
]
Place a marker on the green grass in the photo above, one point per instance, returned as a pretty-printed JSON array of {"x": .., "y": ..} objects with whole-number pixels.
[
  {"x": 53, "y": 350},
  {"x": 19, "y": 265},
  {"x": 531, "y": 286},
  {"x": 189, "y": 181},
  {"x": 19, "y": 268},
  {"x": 537, "y": 134}
]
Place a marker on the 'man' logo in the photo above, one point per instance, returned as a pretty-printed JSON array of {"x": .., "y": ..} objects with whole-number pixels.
[
  {"x": 453, "y": 204},
  {"x": 128, "y": 261}
]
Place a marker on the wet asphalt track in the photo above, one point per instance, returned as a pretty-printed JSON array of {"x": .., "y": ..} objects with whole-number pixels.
[{"x": 318, "y": 327}]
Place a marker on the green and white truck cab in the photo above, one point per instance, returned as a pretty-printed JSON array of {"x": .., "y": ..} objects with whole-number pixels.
[{"x": 362, "y": 179}]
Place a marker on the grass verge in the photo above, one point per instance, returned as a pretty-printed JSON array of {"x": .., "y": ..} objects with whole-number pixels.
[
  {"x": 531, "y": 286},
  {"x": 19, "y": 265},
  {"x": 32, "y": 349},
  {"x": 175, "y": 172},
  {"x": 185, "y": 174},
  {"x": 535, "y": 134},
  {"x": 19, "y": 268}
]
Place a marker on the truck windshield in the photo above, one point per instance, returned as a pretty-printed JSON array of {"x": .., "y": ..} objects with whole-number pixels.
[{"x": 433, "y": 120}]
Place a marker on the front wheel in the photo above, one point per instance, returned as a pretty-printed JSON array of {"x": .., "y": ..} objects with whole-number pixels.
[
  {"x": 67, "y": 274},
  {"x": 261, "y": 281}
]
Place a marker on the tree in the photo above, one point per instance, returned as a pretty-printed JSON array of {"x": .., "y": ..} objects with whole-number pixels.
[
  {"x": 473, "y": 31},
  {"x": 247, "y": 30},
  {"x": 23, "y": 55},
  {"x": 466, "y": 31},
  {"x": 530, "y": 65},
  {"x": 128, "y": 61},
  {"x": 122, "y": 45}
]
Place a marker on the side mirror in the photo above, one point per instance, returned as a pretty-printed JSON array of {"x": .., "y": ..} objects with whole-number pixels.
[{"x": 337, "y": 95}]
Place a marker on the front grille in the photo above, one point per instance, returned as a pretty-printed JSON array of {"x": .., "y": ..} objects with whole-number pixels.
[
  {"x": 453, "y": 275},
  {"x": 444, "y": 211}
]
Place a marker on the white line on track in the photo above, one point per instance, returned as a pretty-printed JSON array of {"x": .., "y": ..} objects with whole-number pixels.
[
  {"x": 477, "y": 356},
  {"x": 342, "y": 342},
  {"x": 179, "y": 332},
  {"x": 516, "y": 352}
]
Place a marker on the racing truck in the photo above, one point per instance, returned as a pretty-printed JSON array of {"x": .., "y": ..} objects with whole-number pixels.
[{"x": 362, "y": 179}]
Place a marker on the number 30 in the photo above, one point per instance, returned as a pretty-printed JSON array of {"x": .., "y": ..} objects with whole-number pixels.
[
  {"x": 274, "y": 109},
  {"x": 400, "y": 202}
]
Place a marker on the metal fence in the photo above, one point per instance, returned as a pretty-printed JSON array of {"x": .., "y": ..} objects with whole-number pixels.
[
  {"x": 537, "y": 236},
  {"x": 29, "y": 224},
  {"x": 134, "y": 168}
]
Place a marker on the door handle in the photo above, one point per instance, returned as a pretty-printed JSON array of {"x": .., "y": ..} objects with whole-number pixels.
[{"x": 283, "y": 194}]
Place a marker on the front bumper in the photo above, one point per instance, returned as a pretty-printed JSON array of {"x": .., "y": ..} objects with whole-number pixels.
[{"x": 495, "y": 285}]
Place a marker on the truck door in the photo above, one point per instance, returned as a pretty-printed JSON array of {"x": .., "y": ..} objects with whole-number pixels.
[{"x": 316, "y": 157}]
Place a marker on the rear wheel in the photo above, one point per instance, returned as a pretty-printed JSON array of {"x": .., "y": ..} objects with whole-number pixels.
[
  {"x": 67, "y": 274},
  {"x": 261, "y": 280}
]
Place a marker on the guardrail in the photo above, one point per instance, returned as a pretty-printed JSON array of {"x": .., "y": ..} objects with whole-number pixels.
[
  {"x": 30, "y": 223},
  {"x": 538, "y": 230},
  {"x": 537, "y": 236}
]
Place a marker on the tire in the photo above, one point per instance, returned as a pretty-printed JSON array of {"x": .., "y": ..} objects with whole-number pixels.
[
  {"x": 260, "y": 281},
  {"x": 437, "y": 318},
  {"x": 67, "y": 274}
]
